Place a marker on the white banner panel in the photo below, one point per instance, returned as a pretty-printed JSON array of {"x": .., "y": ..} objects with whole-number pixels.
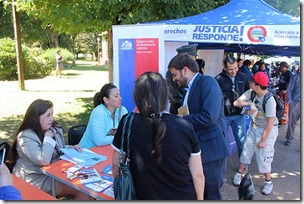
[{"x": 278, "y": 35}]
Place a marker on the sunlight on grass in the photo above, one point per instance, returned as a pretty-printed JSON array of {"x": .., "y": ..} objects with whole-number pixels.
[{"x": 72, "y": 96}]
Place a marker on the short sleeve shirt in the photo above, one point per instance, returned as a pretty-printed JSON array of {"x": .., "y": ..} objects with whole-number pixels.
[
  {"x": 170, "y": 180},
  {"x": 260, "y": 119}
]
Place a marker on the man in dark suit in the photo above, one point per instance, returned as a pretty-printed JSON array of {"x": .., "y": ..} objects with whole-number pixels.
[
  {"x": 205, "y": 102},
  {"x": 176, "y": 92}
]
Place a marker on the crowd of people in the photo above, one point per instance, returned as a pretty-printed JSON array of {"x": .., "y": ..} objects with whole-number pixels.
[{"x": 173, "y": 156}]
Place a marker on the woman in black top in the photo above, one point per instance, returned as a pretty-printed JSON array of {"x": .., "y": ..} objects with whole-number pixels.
[{"x": 165, "y": 155}]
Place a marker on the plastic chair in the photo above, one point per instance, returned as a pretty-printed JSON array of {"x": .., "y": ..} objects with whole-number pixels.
[{"x": 75, "y": 134}]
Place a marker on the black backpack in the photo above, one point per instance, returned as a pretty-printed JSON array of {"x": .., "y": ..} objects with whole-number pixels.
[
  {"x": 246, "y": 189},
  {"x": 280, "y": 103}
]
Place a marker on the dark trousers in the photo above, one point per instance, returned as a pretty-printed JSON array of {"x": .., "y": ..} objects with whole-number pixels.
[{"x": 215, "y": 173}]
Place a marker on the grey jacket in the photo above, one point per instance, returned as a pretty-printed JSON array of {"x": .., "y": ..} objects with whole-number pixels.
[{"x": 33, "y": 155}]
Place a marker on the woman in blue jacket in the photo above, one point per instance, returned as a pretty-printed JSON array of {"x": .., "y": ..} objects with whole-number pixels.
[{"x": 104, "y": 118}]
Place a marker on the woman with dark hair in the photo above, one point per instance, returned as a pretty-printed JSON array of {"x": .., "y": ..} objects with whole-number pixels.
[
  {"x": 104, "y": 118},
  {"x": 36, "y": 144},
  {"x": 164, "y": 151}
]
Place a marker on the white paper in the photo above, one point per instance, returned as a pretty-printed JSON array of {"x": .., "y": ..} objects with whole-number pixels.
[{"x": 86, "y": 158}]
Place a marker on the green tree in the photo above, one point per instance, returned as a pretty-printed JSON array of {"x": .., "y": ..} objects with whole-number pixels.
[
  {"x": 31, "y": 29},
  {"x": 6, "y": 24},
  {"x": 291, "y": 7},
  {"x": 77, "y": 16}
]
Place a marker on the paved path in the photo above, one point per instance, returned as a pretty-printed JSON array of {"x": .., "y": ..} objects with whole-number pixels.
[{"x": 286, "y": 172}]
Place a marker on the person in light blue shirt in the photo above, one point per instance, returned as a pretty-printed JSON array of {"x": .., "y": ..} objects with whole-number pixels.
[{"x": 104, "y": 118}]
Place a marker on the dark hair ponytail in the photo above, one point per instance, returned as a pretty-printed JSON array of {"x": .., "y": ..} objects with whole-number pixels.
[
  {"x": 151, "y": 98},
  {"x": 104, "y": 92}
]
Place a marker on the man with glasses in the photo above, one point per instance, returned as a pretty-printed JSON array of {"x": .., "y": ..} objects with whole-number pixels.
[{"x": 206, "y": 113}]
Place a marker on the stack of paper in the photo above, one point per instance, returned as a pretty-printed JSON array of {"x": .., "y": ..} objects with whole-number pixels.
[{"x": 86, "y": 157}]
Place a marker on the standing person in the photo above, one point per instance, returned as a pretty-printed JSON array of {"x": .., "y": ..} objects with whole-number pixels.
[
  {"x": 283, "y": 83},
  {"x": 36, "y": 144},
  {"x": 7, "y": 190},
  {"x": 104, "y": 118},
  {"x": 262, "y": 133},
  {"x": 233, "y": 84},
  {"x": 255, "y": 67},
  {"x": 293, "y": 95},
  {"x": 205, "y": 102},
  {"x": 59, "y": 63},
  {"x": 177, "y": 92},
  {"x": 240, "y": 62},
  {"x": 262, "y": 68},
  {"x": 165, "y": 155},
  {"x": 201, "y": 65},
  {"x": 245, "y": 68}
]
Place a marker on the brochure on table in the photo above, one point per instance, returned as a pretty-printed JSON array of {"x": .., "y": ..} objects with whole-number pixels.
[
  {"x": 105, "y": 183},
  {"x": 86, "y": 157},
  {"x": 87, "y": 176}
]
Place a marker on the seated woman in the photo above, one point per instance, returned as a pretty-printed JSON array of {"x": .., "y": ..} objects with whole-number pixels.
[
  {"x": 36, "y": 144},
  {"x": 104, "y": 118},
  {"x": 165, "y": 157}
]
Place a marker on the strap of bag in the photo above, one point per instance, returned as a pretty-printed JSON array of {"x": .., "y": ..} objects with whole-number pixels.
[
  {"x": 129, "y": 118},
  {"x": 119, "y": 114}
]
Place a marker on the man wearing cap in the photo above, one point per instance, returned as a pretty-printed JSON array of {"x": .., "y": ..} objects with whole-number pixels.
[
  {"x": 205, "y": 103},
  {"x": 177, "y": 92},
  {"x": 233, "y": 84},
  {"x": 263, "y": 130}
]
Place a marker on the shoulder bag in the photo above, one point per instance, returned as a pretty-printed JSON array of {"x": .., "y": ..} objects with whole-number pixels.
[{"x": 123, "y": 182}]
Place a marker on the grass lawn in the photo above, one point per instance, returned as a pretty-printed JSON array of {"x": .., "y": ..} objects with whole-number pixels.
[{"x": 72, "y": 96}]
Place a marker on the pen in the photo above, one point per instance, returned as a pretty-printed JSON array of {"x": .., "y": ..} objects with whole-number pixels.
[{"x": 71, "y": 146}]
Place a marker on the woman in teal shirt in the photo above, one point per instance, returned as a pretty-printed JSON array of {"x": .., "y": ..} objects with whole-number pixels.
[{"x": 104, "y": 118}]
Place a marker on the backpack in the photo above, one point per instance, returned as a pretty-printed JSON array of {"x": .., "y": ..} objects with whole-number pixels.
[
  {"x": 280, "y": 103},
  {"x": 246, "y": 188}
]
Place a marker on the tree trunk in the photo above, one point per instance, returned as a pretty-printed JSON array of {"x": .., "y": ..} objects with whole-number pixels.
[
  {"x": 73, "y": 40},
  {"x": 110, "y": 55},
  {"x": 19, "y": 54}
]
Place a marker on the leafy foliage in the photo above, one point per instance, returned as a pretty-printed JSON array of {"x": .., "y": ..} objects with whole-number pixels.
[
  {"x": 34, "y": 67},
  {"x": 90, "y": 15},
  {"x": 291, "y": 7},
  {"x": 8, "y": 68},
  {"x": 50, "y": 55},
  {"x": 86, "y": 43}
]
